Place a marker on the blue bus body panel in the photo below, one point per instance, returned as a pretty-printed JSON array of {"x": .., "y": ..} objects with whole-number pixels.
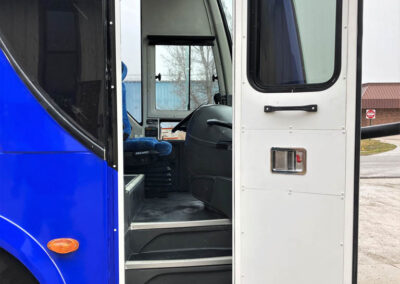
[
  {"x": 51, "y": 187},
  {"x": 29, "y": 251},
  {"x": 25, "y": 124}
]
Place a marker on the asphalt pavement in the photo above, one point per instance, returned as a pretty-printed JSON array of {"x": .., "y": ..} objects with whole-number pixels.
[
  {"x": 379, "y": 217},
  {"x": 384, "y": 165}
]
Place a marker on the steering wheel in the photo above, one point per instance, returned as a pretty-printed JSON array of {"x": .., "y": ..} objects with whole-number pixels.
[{"x": 181, "y": 126}]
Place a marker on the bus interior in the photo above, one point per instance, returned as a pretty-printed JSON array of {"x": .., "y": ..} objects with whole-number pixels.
[{"x": 177, "y": 140}]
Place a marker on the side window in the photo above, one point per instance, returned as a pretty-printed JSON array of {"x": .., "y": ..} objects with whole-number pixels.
[
  {"x": 186, "y": 77},
  {"x": 131, "y": 56},
  {"x": 60, "y": 46},
  {"x": 293, "y": 43}
]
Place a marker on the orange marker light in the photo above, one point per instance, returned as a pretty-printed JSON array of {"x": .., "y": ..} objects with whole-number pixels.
[{"x": 63, "y": 246}]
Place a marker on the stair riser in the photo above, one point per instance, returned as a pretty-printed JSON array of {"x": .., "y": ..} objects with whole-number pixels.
[
  {"x": 218, "y": 274},
  {"x": 209, "y": 237}
]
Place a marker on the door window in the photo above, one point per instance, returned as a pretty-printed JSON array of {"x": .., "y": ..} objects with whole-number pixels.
[{"x": 293, "y": 44}]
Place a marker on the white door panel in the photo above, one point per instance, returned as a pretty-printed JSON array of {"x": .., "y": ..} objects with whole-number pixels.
[
  {"x": 330, "y": 115},
  {"x": 292, "y": 228},
  {"x": 292, "y": 238},
  {"x": 324, "y": 150}
]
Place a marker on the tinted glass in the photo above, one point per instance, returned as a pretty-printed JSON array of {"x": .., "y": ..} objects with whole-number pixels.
[
  {"x": 60, "y": 46},
  {"x": 188, "y": 77},
  {"x": 293, "y": 42}
]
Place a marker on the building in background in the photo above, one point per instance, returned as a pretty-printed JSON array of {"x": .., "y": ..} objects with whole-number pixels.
[{"x": 385, "y": 99}]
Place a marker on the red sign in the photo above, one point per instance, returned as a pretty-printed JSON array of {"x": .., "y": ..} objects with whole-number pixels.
[{"x": 371, "y": 113}]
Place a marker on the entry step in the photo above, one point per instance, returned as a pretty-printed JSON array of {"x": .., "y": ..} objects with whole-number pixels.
[{"x": 181, "y": 255}]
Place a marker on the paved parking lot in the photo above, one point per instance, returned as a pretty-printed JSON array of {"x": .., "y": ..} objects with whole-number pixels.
[
  {"x": 379, "y": 231},
  {"x": 382, "y": 165},
  {"x": 379, "y": 227}
]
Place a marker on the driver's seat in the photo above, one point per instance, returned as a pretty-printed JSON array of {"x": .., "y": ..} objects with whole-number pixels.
[
  {"x": 208, "y": 150},
  {"x": 142, "y": 144}
]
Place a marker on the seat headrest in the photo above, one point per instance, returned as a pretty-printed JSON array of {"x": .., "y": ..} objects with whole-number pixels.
[{"x": 124, "y": 71}]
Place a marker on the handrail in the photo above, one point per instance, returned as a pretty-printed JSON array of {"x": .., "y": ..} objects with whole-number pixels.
[{"x": 382, "y": 130}]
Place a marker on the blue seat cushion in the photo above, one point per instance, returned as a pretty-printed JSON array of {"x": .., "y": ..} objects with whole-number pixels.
[{"x": 146, "y": 144}]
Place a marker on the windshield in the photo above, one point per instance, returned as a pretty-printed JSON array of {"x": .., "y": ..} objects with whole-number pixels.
[{"x": 227, "y": 13}]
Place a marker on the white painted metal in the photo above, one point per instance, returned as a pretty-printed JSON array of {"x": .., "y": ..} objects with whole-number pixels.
[
  {"x": 294, "y": 229},
  {"x": 121, "y": 189}
]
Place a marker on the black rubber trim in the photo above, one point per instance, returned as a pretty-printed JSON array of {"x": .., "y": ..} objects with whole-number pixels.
[
  {"x": 112, "y": 130},
  {"x": 357, "y": 141},
  {"x": 181, "y": 40},
  {"x": 252, "y": 56},
  {"x": 56, "y": 112}
]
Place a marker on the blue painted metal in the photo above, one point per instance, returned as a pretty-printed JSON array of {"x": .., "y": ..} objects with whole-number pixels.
[
  {"x": 26, "y": 248},
  {"x": 52, "y": 187}
]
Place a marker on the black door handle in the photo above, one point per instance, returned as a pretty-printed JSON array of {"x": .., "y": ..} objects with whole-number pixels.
[{"x": 308, "y": 108}]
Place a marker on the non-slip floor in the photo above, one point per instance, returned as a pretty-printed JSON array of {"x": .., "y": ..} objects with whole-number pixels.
[{"x": 176, "y": 207}]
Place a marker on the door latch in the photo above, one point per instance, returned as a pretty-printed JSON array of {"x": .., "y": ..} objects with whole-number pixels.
[{"x": 289, "y": 160}]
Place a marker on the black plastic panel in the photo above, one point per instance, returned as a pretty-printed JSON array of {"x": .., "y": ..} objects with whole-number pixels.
[
  {"x": 221, "y": 274},
  {"x": 178, "y": 239}
]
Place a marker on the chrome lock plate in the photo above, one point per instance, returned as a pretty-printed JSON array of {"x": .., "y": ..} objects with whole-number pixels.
[{"x": 288, "y": 160}]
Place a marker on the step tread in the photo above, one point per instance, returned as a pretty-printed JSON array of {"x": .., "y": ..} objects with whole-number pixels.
[
  {"x": 178, "y": 263},
  {"x": 179, "y": 224},
  {"x": 181, "y": 254}
]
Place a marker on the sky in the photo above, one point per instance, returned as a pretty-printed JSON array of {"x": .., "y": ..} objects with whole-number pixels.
[
  {"x": 381, "y": 42},
  {"x": 130, "y": 38}
]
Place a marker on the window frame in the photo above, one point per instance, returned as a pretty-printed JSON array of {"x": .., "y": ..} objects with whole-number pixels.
[{"x": 287, "y": 88}]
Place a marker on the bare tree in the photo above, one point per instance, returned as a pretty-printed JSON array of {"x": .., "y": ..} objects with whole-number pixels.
[
  {"x": 202, "y": 69},
  {"x": 176, "y": 58}
]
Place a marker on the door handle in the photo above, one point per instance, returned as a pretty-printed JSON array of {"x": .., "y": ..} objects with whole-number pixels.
[{"x": 307, "y": 108}]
